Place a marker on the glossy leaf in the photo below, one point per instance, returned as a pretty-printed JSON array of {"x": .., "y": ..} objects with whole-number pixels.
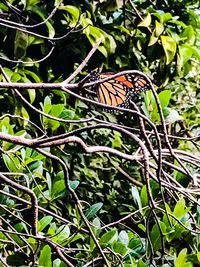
[
  {"x": 92, "y": 211},
  {"x": 58, "y": 190},
  {"x": 44, "y": 222},
  {"x": 45, "y": 257},
  {"x": 109, "y": 237},
  {"x": 61, "y": 234}
]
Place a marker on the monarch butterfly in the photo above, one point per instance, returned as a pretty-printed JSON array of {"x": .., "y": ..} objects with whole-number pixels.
[{"x": 118, "y": 91}]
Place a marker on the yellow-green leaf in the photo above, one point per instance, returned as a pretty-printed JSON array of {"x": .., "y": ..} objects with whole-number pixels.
[
  {"x": 146, "y": 21},
  {"x": 32, "y": 94},
  {"x": 152, "y": 40},
  {"x": 180, "y": 261},
  {"x": 159, "y": 28},
  {"x": 169, "y": 46},
  {"x": 198, "y": 256}
]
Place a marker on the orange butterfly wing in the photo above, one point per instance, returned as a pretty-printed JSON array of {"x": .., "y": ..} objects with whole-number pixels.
[
  {"x": 114, "y": 92},
  {"x": 118, "y": 91}
]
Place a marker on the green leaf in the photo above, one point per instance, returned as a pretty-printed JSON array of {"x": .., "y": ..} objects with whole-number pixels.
[
  {"x": 92, "y": 211},
  {"x": 52, "y": 124},
  {"x": 77, "y": 237},
  {"x": 165, "y": 17},
  {"x": 120, "y": 248},
  {"x": 17, "y": 259},
  {"x": 117, "y": 142},
  {"x": 67, "y": 114},
  {"x": 44, "y": 222},
  {"x": 185, "y": 54},
  {"x": 109, "y": 237},
  {"x": 141, "y": 263},
  {"x": 32, "y": 94},
  {"x": 188, "y": 35},
  {"x": 164, "y": 98},
  {"x": 146, "y": 21},
  {"x": 73, "y": 12},
  {"x": 32, "y": 75},
  {"x": 181, "y": 260},
  {"x": 47, "y": 104},
  {"x": 36, "y": 166},
  {"x": 93, "y": 34},
  {"x": 136, "y": 246},
  {"x": 180, "y": 209},
  {"x": 25, "y": 115},
  {"x": 97, "y": 223},
  {"x": 166, "y": 112},
  {"x": 58, "y": 190},
  {"x": 15, "y": 77},
  {"x": 156, "y": 235},
  {"x": 108, "y": 44},
  {"x": 142, "y": 227},
  {"x": 56, "y": 110},
  {"x": 198, "y": 256},
  {"x": 169, "y": 46},
  {"x": 21, "y": 44},
  {"x": 74, "y": 184},
  {"x": 62, "y": 234},
  {"x": 8, "y": 72},
  {"x": 80, "y": 104},
  {"x": 45, "y": 257},
  {"x": 144, "y": 196},
  {"x": 12, "y": 162}
]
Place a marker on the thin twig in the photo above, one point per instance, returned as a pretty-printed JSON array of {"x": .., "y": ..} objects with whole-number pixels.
[{"x": 83, "y": 64}]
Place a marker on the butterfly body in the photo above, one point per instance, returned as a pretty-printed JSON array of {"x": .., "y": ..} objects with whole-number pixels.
[{"x": 118, "y": 91}]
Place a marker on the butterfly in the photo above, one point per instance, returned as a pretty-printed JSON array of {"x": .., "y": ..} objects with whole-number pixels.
[{"x": 118, "y": 91}]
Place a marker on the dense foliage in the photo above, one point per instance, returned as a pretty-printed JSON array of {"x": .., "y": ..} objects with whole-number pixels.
[{"x": 99, "y": 208}]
